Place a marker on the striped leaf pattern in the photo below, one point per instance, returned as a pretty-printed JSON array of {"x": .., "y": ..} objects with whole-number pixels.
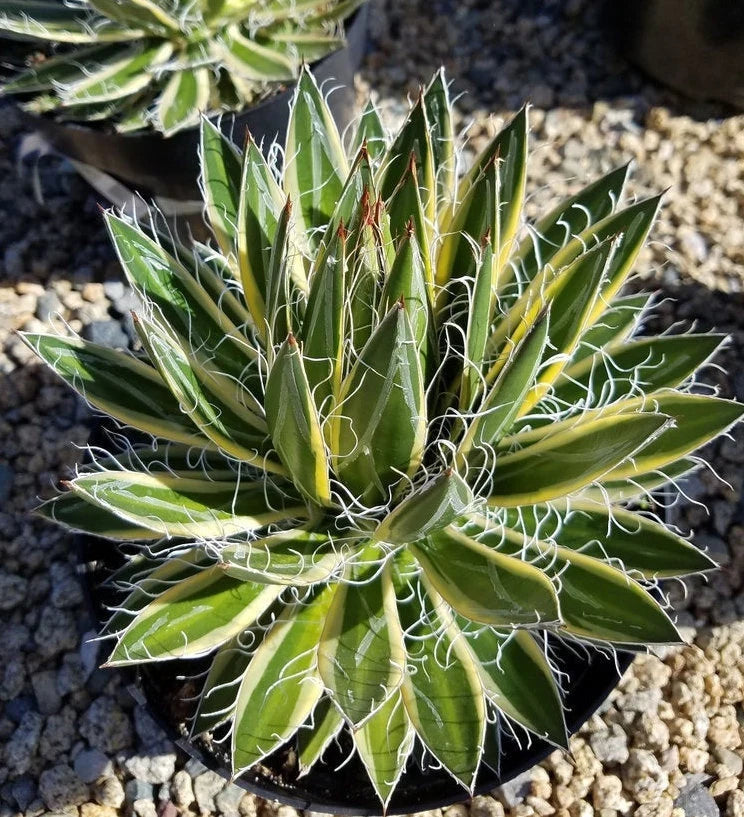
[{"x": 398, "y": 438}]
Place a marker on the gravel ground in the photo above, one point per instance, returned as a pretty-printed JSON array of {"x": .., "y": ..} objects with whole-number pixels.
[{"x": 670, "y": 740}]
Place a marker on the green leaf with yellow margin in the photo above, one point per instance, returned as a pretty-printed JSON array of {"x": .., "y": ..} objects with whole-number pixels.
[
  {"x": 193, "y": 618},
  {"x": 281, "y": 686},
  {"x": 294, "y": 424},
  {"x": 361, "y": 657}
]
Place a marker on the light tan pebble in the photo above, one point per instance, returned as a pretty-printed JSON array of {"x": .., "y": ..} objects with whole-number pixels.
[
  {"x": 607, "y": 792},
  {"x": 585, "y": 761},
  {"x": 92, "y": 292},
  {"x": 730, "y": 760},
  {"x": 563, "y": 796},
  {"x": 29, "y": 288},
  {"x": 735, "y": 804},
  {"x": 562, "y": 769},
  {"x": 606, "y": 812},
  {"x": 581, "y": 809},
  {"x": 659, "y": 808},
  {"x": 651, "y": 733},
  {"x": 94, "y": 810},
  {"x": 724, "y": 728},
  {"x": 669, "y": 759},
  {"x": 522, "y": 810},
  {"x": 693, "y": 761},
  {"x": 643, "y": 776},
  {"x": 541, "y": 783},
  {"x": 458, "y": 810},
  {"x": 485, "y": 806},
  {"x": 539, "y": 805},
  {"x": 720, "y": 787},
  {"x": 248, "y": 806},
  {"x": 581, "y": 786},
  {"x": 678, "y": 812},
  {"x": 665, "y": 711}
]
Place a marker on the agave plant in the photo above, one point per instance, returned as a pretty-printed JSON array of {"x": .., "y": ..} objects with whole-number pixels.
[
  {"x": 160, "y": 63},
  {"x": 401, "y": 442}
]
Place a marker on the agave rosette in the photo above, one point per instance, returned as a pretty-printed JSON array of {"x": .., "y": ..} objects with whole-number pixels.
[
  {"x": 145, "y": 63},
  {"x": 400, "y": 436}
]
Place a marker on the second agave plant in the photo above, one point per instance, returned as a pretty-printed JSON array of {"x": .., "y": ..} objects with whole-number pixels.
[
  {"x": 401, "y": 440},
  {"x": 160, "y": 63}
]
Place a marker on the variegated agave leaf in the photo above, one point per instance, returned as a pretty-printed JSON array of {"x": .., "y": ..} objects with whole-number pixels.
[
  {"x": 163, "y": 63},
  {"x": 400, "y": 437}
]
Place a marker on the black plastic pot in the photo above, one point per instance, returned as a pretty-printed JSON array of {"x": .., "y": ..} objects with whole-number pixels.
[
  {"x": 694, "y": 46},
  {"x": 155, "y": 166},
  {"x": 592, "y": 675}
]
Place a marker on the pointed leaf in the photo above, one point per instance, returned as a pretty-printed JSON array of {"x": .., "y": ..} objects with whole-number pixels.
[
  {"x": 379, "y": 427},
  {"x": 323, "y": 328},
  {"x": 517, "y": 678},
  {"x": 506, "y": 396},
  {"x": 361, "y": 656},
  {"x": 73, "y": 512},
  {"x": 407, "y": 281},
  {"x": 484, "y": 585},
  {"x": 435, "y": 505},
  {"x": 220, "y": 177},
  {"x": 294, "y": 425},
  {"x": 249, "y": 61},
  {"x": 566, "y": 461},
  {"x": 372, "y": 132},
  {"x": 193, "y": 618},
  {"x": 439, "y": 115},
  {"x": 597, "y": 601},
  {"x": 622, "y": 537},
  {"x": 293, "y": 557},
  {"x": 184, "y": 97},
  {"x": 570, "y": 218},
  {"x": 643, "y": 365},
  {"x": 259, "y": 204},
  {"x": 615, "y": 324},
  {"x": 209, "y": 402},
  {"x": 314, "y": 739},
  {"x": 108, "y": 379},
  {"x": 476, "y": 216},
  {"x": 119, "y": 77},
  {"x": 179, "y": 506},
  {"x": 384, "y": 743},
  {"x": 478, "y": 325},
  {"x": 278, "y": 318},
  {"x": 406, "y": 209},
  {"x": 58, "y": 22},
  {"x": 220, "y": 692},
  {"x": 315, "y": 164},
  {"x": 183, "y": 303},
  {"x": 441, "y": 689},
  {"x": 698, "y": 419},
  {"x": 413, "y": 138},
  {"x": 509, "y": 149},
  {"x": 280, "y": 687}
]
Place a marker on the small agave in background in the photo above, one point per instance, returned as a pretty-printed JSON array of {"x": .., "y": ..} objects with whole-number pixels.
[
  {"x": 400, "y": 440},
  {"x": 145, "y": 63}
]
